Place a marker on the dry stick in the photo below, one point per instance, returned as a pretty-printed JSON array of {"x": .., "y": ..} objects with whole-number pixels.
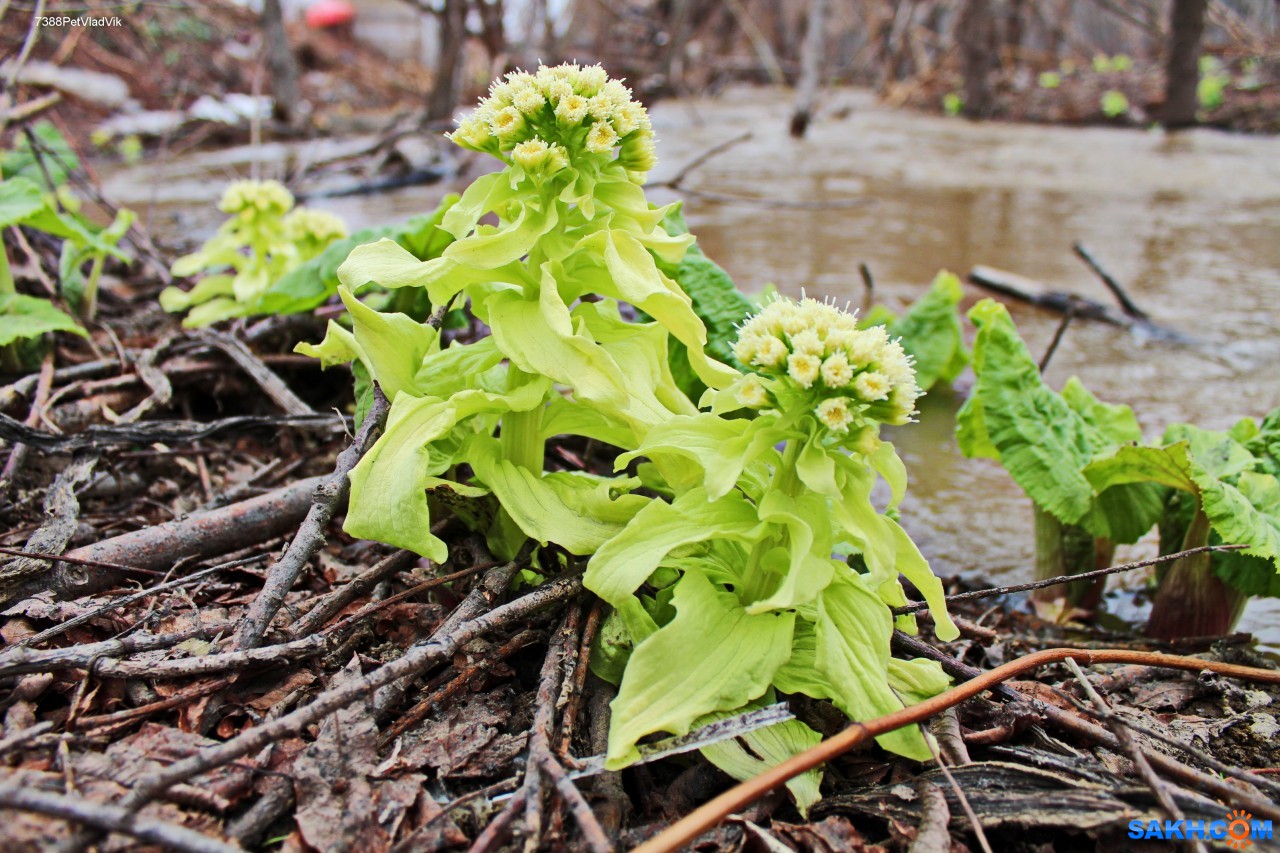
[
  {"x": 868, "y": 287},
  {"x": 332, "y": 492},
  {"x": 965, "y": 806},
  {"x": 19, "y": 454},
  {"x": 1133, "y": 750},
  {"x": 719, "y": 148},
  {"x": 267, "y": 380},
  {"x": 122, "y": 601},
  {"x": 932, "y": 833},
  {"x": 1219, "y": 788},
  {"x": 128, "y": 715},
  {"x": 25, "y": 736},
  {"x": 19, "y": 660},
  {"x": 437, "y": 698},
  {"x": 1114, "y": 286},
  {"x": 150, "y": 432},
  {"x": 577, "y": 684},
  {"x": 916, "y": 607},
  {"x": 108, "y": 818},
  {"x": 1260, "y": 782},
  {"x": 15, "y": 69},
  {"x": 330, "y": 605},
  {"x": 543, "y": 765},
  {"x": 1067, "y": 316},
  {"x": 1072, "y": 723},
  {"x": 382, "y": 604},
  {"x": 412, "y": 663},
  {"x": 482, "y": 597},
  {"x": 708, "y": 815}
]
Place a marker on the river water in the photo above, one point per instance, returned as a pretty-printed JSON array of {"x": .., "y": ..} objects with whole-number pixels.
[{"x": 1189, "y": 223}]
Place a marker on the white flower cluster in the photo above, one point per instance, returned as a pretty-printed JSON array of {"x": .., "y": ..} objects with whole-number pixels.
[
  {"x": 318, "y": 225},
  {"x": 820, "y": 349},
  {"x": 255, "y": 197},
  {"x": 544, "y": 121}
]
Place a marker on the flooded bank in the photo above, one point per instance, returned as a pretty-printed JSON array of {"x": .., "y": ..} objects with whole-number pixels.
[{"x": 1190, "y": 224}]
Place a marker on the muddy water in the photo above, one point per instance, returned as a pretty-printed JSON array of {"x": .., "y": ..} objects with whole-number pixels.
[{"x": 1191, "y": 224}]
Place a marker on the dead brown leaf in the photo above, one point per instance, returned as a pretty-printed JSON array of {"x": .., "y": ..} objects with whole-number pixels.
[{"x": 336, "y": 808}]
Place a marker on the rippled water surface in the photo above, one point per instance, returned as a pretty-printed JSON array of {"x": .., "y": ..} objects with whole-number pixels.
[{"x": 1190, "y": 224}]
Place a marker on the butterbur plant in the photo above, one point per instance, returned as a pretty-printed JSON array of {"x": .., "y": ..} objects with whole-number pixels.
[
  {"x": 745, "y": 553},
  {"x": 732, "y": 549},
  {"x": 1095, "y": 483},
  {"x": 264, "y": 239}
]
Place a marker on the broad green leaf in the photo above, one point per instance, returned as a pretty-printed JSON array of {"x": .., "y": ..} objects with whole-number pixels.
[
  {"x": 567, "y": 417},
  {"x": 20, "y": 199},
  {"x": 713, "y": 656},
  {"x": 1042, "y": 442},
  {"x": 751, "y": 754},
  {"x": 1247, "y": 513},
  {"x": 852, "y": 654},
  {"x": 912, "y": 565},
  {"x": 316, "y": 280},
  {"x": 29, "y": 317},
  {"x": 716, "y": 300},
  {"x": 393, "y": 345},
  {"x": 56, "y": 161},
  {"x": 338, "y": 347},
  {"x": 624, "y": 562},
  {"x": 1115, "y": 422},
  {"x": 917, "y": 679},
  {"x": 388, "y": 487},
  {"x": 572, "y": 509},
  {"x": 931, "y": 332},
  {"x": 491, "y": 248},
  {"x": 809, "y": 544}
]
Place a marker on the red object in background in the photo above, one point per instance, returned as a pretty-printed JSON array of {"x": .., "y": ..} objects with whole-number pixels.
[{"x": 330, "y": 13}]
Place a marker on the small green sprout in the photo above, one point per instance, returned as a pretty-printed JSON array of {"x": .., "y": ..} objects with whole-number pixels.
[
  {"x": 265, "y": 239},
  {"x": 1050, "y": 80},
  {"x": 1114, "y": 103},
  {"x": 952, "y": 103}
]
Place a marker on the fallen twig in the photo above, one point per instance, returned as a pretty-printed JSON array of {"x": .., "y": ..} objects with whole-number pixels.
[
  {"x": 150, "y": 432},
  {"x": 543, "y": 766},
  {"x": 267, "y": 380},
  {"x": 918, "y": 606},
  {"x": 22, "y": 659},
  {"x": 329, "y": 495},
  {"x": 1134, "y": 751},
  {"x": 709, "y": 814},
  {"x": 1114, "y": 286},
  {"x": 332, "y": 603},
  {"x": 109, "y": 818},
  {"x": 198, "y": 536},
  {"x": 412, "y": 663}
]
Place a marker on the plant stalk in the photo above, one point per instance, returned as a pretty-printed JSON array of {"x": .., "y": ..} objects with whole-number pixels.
[
  {"x": 521, "y": 437},
  {"x": 1066, "y": 549},
  {"x": 1192, "y": 601}
]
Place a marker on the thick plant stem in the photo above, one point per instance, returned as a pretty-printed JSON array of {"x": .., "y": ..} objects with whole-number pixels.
[
  {"x": 1192, "y": 601},
  {"x": 1066, "y": 549},
  {"x": 521, "y": 436}
]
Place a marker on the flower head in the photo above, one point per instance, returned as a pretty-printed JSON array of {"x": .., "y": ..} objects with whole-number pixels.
[
  {"x": 847, "y": 374},
  {"x": 575, "y": 109},
  {"x": 318, "y": 225},
  {"x": 256, "y": 197}
]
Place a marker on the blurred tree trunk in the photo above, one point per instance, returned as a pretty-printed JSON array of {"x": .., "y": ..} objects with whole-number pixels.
[
  {"x": 453, "y": 36},
  {"x": 811, "y": 55},
  {"x": 280, "y": 63},
  {"x": 975, "y": 31},
  {"x": 678, "y": 27},
  {"x": 1182, "y": 72}
]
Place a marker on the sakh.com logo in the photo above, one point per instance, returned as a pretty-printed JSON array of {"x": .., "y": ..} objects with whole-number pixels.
[{"x": 1239, "y": 830}]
